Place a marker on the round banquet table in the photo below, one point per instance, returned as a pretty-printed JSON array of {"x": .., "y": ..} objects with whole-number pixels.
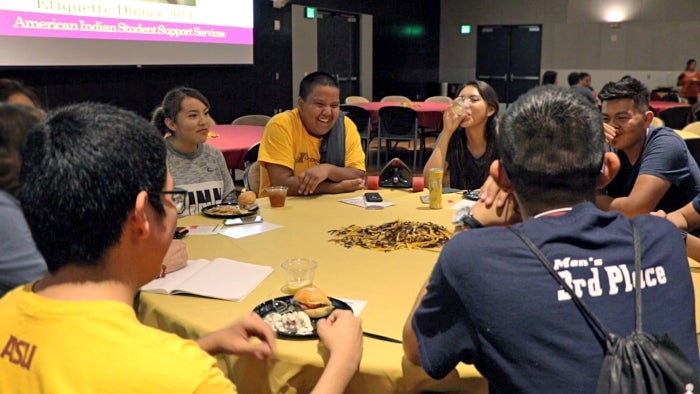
[
  {"x": 389, "y": 282},
  {"x": 234, "y": 141},
  {"x": 658, "y": 106}
]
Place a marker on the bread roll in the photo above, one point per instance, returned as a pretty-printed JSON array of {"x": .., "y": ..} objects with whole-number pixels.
[
  {"x": 314, "y": 302},
  {"x": 247, "y": 198}
]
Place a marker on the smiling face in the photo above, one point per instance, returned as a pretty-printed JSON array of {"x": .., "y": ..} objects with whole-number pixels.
[
  {"x": 478, "y": 111},
  {"x": 192, "y": 122},
  {"x": 320, "y": 109},
  {"x": 629, "y": 122}
]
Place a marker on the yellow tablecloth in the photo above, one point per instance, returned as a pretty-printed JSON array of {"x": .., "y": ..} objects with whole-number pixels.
[{"x": 388, "y": 282}]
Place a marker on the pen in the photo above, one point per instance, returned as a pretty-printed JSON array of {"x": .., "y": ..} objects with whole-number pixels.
[{"x": 380, "y": 337}]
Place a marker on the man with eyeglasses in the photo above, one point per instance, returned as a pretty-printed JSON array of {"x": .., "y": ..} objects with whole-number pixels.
[
  {"x": 656, "y": 169},
  {"x": 101, "y": 206}
]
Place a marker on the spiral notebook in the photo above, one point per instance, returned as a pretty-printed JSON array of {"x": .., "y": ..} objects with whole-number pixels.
[{"x": 220, "y": 278}]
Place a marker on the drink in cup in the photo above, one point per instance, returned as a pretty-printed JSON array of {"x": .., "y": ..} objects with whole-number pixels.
[
  {"x": 277, "y": 195},
  {"x": 435, "y": 187},
  {"x": 457, "y": 108},
  {"x": 298, "y": 273}
]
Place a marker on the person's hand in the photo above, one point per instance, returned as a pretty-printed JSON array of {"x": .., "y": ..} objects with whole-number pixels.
[
  {"x": 341, "y": 334},
  {"x": 660, "y": 214},
  {"x": 309, "y": 179},
  {"x": 350, "y": 185},
  {"x": 176, "y": 256},
  {"x": 610, "y": 133},
  {"x": 236, "y": 338},
  {"x": 493, "y": 215},
  {"x": 451, "y": 121},
  {"x": 491, "y": 193}
]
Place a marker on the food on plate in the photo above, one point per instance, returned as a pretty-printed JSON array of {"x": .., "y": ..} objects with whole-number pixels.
[
  {"x": 392, "y": 236},
  {"x": 224, "y": 210},
  {"x": 314, "y": 302},
  {"x": 291, "y": 323},
  {"x": 247, "y": 197}
]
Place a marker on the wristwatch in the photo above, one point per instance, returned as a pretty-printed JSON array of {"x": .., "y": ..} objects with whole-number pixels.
[{"x": 465, "y": 218}]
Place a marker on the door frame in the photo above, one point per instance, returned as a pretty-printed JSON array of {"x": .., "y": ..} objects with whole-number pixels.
[{"x": 305, "y": 50}]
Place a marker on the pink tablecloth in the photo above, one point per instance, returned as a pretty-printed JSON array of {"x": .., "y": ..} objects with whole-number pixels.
[
  {"x": 234, "y": 141},
  {"x": 429, "y": 114},
  {"x": 658, "y": 106}
]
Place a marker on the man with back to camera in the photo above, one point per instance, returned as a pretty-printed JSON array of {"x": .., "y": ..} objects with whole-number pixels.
[
  {"x": 498, "y": 308},
  {"x": 657, "y": 172},
  {"x": 314, "y": 148},
  {"x": 103, "y": 234}
]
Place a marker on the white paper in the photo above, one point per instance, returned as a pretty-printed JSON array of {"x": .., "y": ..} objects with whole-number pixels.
[
  {"x": 360, "y": 202},
  {"x": 356, "y": 305},
  {"x": 245, "y": 230},
  {"x": 220, "y": 278},
  {"x": 463, "y": 203}
]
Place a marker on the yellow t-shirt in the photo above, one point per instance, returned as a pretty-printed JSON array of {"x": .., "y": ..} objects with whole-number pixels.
[
  {"x": 51, "y": 346},
  {"x": 286, "y": 142}
]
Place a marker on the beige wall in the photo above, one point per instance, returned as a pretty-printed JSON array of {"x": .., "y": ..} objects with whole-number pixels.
[
  {"x": 653, "y": 44},
  {"x": 305, "y": 50}
]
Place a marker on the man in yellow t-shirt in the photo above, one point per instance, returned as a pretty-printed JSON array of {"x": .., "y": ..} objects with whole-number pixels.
[
  {"x": 312, "y": 149},
  {"x": 103, "y": 234}
]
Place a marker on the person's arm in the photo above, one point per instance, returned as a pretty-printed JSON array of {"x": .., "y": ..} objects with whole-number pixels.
[
  {"x": 685, "y": 218},
  {"x": 645, "y": 195},
  {"x": 284, "y": 176},
  {"x": 438, "y": 159},
  {"x": 235, "y": 339},
  {"x": 229, "y": 187},
  {"x": 341, "y": 334}
]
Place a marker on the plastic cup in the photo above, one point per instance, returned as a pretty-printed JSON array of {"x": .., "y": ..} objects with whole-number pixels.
[
  {"x": 277, "y": 195},
  {"x": 457, "y": 108},
  {"x": 298, "y": 273}
]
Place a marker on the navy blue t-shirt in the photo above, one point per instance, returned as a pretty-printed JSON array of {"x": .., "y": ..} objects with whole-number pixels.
[
  {"x": 491, "y": 303},
  {"x": 665, "y": 155}
]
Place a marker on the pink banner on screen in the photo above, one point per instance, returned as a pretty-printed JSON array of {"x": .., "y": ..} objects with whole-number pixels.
[{"x": 29, "y": 24}]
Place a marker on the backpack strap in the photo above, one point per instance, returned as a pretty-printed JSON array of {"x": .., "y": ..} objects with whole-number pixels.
[
  {"x": 587, "y": 313},
  {"x": 333, "y": 144},
  {"x": 637, "y": 279}
]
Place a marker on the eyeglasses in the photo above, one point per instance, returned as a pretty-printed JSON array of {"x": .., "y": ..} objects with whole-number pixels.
[{"x": 179, "y": 198}]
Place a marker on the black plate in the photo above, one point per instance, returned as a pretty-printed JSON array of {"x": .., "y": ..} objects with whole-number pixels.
[
  {"x": 286, "y": 304},
  {"x": 244, "y": 212}
]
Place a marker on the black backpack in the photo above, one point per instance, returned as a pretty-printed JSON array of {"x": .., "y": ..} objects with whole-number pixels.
[{"x": 639, "y": 363}]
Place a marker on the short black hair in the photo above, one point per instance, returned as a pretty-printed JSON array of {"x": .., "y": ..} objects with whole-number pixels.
[
  {"x": 172, "y": 104},
  {"x": 551, "y": 145},
  {"x": 549, "y": 77},
  {"x": 82, "y": 168},
  {"x": 574, "y": 78},
  {"x": 318, "y": 78},
  {"x": 626, "y": 88}
]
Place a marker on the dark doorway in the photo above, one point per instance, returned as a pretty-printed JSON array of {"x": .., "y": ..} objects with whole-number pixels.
[
  {"x": 339, "y": 49},
  {"x": 508, "y": 59}
]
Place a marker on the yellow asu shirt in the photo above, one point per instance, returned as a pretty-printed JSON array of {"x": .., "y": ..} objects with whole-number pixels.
[
  {"x": 287, "y": 143},
  {"x": 51, "y": 346}
]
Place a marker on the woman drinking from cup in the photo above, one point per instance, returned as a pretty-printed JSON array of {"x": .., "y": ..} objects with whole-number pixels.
[{"x": 466, "y": 145}]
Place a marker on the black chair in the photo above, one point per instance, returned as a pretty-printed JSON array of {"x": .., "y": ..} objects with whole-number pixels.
[
  {"x": 252, "y": 155},
  {"x": 363, "y": 120},
  {"x": 670, "y": 97},
  {"x": 397, "y": 124},
  {"x": 675, "y": 117}
]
